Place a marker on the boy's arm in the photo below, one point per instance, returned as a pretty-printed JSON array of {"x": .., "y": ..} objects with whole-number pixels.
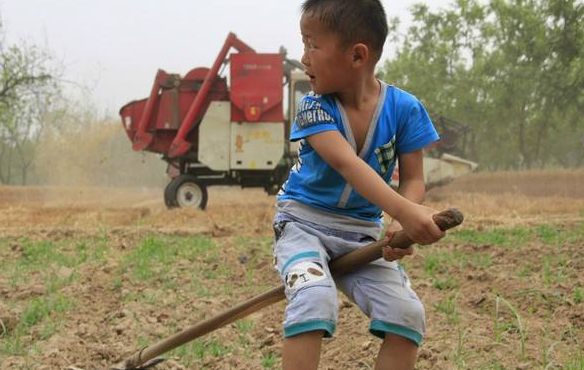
[
  {"x": 412, "y": 187},
  {"x": 415, "y": 219},
  {"x": 411, "y": 176}
]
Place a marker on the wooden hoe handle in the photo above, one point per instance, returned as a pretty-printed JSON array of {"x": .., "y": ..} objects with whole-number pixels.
[
  {"x": 360, "y": 257},
  {"x": 364, "y": 255}
]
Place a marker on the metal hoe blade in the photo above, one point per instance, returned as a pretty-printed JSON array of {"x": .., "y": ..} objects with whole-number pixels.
[{"x": 148, "y": 365}]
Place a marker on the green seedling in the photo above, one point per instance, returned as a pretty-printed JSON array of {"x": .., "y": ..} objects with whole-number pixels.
[
  {"x": 269, "y": 360},
  {"x": 520, "y": 327},
  {"x": 447, "y": 306}
]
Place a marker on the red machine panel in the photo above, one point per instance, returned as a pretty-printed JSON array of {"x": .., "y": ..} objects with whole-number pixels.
[
  {"x": 170, "y": 106},
  {"x": 256, "y": 87}
]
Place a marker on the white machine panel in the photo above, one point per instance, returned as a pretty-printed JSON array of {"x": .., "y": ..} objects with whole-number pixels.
[
  {"x": 214, "y": 136},
  {"x": 256, "y": 145}
]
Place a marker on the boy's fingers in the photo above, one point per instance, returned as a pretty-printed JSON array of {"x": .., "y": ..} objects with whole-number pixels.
[
  {"x": 432, "y": 234},
  {"x": 433, "y": 229},
  {"x": 405, "y": 252},
  {"x": 426, "y": 238},
  {"x": 392, "y": 254},
  {"x": 388, "y": 255}
]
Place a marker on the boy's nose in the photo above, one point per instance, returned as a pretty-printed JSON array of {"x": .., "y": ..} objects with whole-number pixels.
[{"x": 305, "y": 60}]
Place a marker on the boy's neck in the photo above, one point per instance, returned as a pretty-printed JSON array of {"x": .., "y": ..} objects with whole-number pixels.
[{"x": 360, "y": 94}]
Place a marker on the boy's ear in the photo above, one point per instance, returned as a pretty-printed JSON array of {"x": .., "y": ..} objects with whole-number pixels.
[{"x": 360, "y": 54}]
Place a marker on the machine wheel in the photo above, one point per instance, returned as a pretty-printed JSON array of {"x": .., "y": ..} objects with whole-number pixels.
[
  {"x": 185, "y": 191},
  {"x": 169, "y": 199}
]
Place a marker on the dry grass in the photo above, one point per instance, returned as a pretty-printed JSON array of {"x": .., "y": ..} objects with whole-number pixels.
[
  {"x": 508, "y": 198},
  {"x": 541, "y": 183}
]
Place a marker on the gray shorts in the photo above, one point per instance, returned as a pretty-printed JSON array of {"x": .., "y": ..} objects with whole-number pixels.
[{"x": 381, "y": 289}]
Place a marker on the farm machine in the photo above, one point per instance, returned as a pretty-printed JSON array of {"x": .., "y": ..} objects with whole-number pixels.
[{"x": 211, "y": 132}]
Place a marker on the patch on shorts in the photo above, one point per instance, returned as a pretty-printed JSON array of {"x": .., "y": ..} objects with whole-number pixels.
[{"x": 304, "y": 273}]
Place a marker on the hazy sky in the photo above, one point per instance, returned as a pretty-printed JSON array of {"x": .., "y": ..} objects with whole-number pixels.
[{"x": 116, "y": 46}]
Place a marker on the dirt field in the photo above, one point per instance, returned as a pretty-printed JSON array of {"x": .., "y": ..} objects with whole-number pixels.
[{"x": 89, "y": 275}]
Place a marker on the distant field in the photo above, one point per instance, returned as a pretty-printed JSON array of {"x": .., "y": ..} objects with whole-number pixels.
[
  {"x": 89, "y": 275},
  {"x": 555, "y": 183}
]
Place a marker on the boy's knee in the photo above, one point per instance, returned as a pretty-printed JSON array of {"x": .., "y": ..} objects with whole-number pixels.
[
  {"x": 306, "y": 274},
  {"x": 415, "y": 316},
  {"x": 312, "y": 300},
  {"x": 310, "y": 288},
  {"x": 312, "y": 308},
  {"x": 410, "y": 323}
]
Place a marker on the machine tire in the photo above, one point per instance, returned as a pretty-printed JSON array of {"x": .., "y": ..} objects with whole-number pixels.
[
  {"x": 169, "y": 200},
  {"x": 185, "y": 191}
]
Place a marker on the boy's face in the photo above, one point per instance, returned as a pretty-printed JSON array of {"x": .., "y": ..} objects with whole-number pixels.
[{"x": 327, "y": 62}]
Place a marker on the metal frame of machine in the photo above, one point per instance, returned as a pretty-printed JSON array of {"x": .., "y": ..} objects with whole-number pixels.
[{"x": 212, "y": 134}]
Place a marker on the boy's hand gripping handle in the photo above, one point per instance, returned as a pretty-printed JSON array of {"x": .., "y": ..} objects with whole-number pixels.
[{"x": 445, "y": 220}]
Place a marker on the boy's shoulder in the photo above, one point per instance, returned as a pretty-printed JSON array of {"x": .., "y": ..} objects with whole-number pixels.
[
  {"x": 401, "y": 97},
  {"x": 402, "y": 105},
  {"x": 315, "y": 110},
  {"x": 312, "y": 101}
]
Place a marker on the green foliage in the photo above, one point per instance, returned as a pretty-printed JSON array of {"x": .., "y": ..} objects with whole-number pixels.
[
  {"x": 511, "y": 70},
  {"x": 507, "y": 326},
  {"x": 13, "y": 345},
  {"x": 269, "y": 360},
  {"x": 448, "y": 283},
  {"x": 519, "y": 236},
  {"x": 197, "y": 350},
  {"x": 45, "y": 257},
  {"x": 553, "y": 269},
  {"x": 46, "y": 310},
  {"x": 155, "y": 256},
  {"x": 435, "y": 263},
  {"x": 578, "y": 295},
  {"x": 460, "y": 354},
  {"x": 575, "y": 362},
  {"x": 40, "y": 309},
  {"x": 447, "y": 306},
  {"x": 244, "y": 326}
]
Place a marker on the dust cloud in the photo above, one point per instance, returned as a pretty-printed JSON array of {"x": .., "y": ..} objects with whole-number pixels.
[{"x": 97, "y": 155}]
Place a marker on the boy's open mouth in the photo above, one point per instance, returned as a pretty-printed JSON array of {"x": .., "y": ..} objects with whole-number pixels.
[{"x": 310, "y": 76}]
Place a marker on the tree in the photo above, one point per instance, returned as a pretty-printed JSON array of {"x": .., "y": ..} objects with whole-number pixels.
[
  {"x": 512, "y": 70},
  {"x": 28, "y": 89}
]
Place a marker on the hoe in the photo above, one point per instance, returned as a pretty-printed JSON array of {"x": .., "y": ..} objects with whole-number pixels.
[{"x": 147, "y": 357}]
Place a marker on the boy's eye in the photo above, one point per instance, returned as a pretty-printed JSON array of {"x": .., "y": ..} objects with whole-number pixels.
[{"x": 308, "y": 44}]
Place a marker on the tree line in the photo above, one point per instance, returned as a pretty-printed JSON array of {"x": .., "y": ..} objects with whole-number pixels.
[{"x": 512, "y": 71}]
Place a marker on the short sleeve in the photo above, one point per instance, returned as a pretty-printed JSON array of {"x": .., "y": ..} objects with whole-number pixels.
[
  {"x": 415, "y": 129},
  {"x": 312, "y": 117}
]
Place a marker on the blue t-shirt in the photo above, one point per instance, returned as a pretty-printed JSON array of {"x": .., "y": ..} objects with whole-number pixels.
[{"x": 399, "y": 125}]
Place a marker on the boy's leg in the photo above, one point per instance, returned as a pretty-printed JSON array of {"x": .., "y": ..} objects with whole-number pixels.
[
  {"x": 396, "y": 353},
  {"x": 382, "y": 291},
  {"x": 312, "y": 310},
  {"x": 302, "y": 352}
]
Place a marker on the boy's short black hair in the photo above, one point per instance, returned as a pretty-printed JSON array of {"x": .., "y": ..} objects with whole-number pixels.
[{"x": 353, "y": 20}]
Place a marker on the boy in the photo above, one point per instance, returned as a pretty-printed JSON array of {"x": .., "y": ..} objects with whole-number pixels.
[{"x": 351, "y": 128}]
